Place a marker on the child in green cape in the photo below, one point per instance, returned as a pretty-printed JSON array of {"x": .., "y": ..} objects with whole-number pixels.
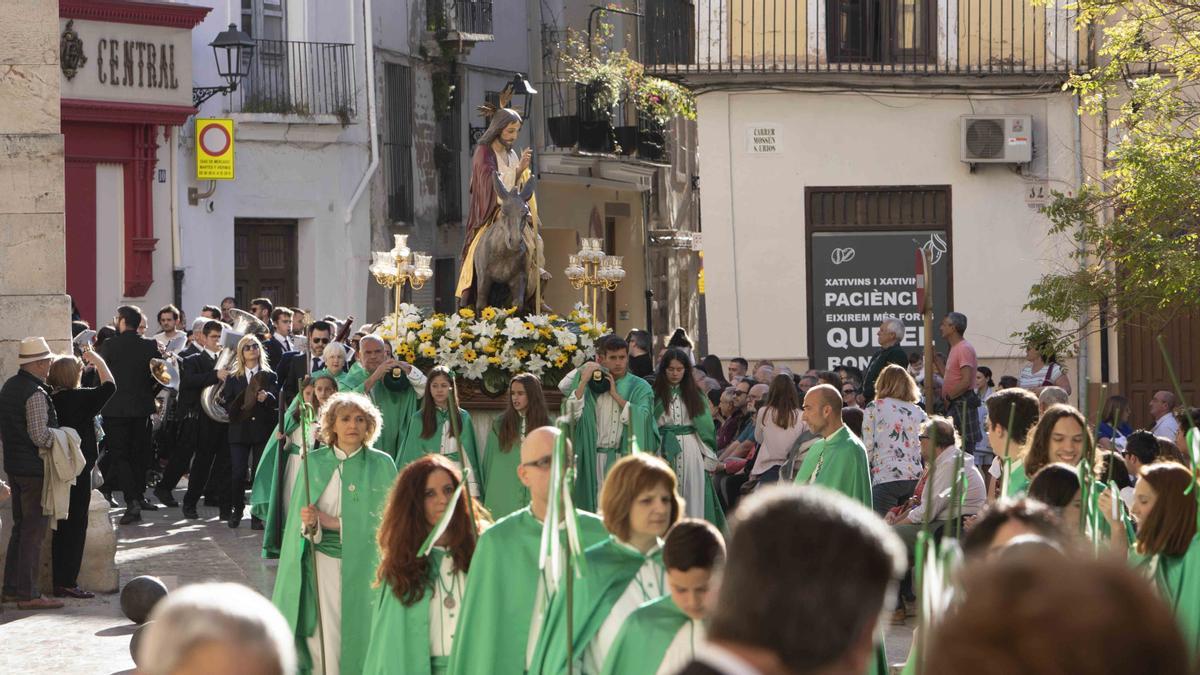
[
  {"x": 687, "y": 437},
  {"x": 430, "y": 432},
  {"x": 502, "y": 490},
  {"x": 661, "y": 636},
  {"x": 639, "y": 502},
  {"x": 1167, "y": 546},
  {"x": 426, "y": 541}
]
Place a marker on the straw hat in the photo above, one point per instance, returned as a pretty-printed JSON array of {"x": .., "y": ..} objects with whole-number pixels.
[{"x": 33, "y": 349}]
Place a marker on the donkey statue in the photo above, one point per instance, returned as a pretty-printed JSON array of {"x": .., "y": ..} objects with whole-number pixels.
[{"x": 501, "y": 256}]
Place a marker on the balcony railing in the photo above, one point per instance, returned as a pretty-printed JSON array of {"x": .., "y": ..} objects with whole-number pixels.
[
  {"x": 466, "y": 19},
  {"x": 975, "y": 37},
  {"x": 299, "y": 78}
]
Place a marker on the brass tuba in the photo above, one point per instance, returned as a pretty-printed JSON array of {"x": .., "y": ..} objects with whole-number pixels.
[
  {"x": 165, "y": 372},
  {"x": 244, "y": 323}
]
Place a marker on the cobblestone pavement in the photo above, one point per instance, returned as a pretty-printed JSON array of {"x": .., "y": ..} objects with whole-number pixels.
[{"x": 91, "y": 637}]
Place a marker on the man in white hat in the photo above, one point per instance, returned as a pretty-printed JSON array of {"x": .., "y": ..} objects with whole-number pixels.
[{"x": 26, "y": 417}]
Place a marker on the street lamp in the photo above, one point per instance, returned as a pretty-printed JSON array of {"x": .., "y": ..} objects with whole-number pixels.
[
  {"x": 399, "y": 267},
  {"x": 592, "y": 271},
  {"x": 233, "y": 51},
  {"x": 521, "y": 87}
]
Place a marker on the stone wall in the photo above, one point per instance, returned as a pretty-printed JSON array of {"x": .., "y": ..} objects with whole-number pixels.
[{"x": 32, "y": 236}]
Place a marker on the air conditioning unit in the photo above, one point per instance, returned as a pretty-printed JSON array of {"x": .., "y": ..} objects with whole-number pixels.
[{"x": 996, "y": 139}]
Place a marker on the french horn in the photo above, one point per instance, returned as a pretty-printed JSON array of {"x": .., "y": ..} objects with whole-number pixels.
[
  {"x": 244, "y": 323},
  {"x": 165, "y": 372}
]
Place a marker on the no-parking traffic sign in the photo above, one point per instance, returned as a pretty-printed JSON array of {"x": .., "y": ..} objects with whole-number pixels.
[{"x": 214, "y": 149}]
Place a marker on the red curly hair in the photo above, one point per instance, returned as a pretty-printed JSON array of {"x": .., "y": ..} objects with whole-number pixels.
[{"x": 404, "y": 528}]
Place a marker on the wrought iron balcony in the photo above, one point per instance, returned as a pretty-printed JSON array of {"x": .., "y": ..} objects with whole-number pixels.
[
  {"x": 460, "y": 21},
  {"x": 961, "y": 37},
  {"x": 299, "y": 78}
]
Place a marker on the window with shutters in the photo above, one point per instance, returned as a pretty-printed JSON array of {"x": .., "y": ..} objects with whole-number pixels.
[
  {"x": 448, "y": 159},
  {"x": 398, "y": 141}
]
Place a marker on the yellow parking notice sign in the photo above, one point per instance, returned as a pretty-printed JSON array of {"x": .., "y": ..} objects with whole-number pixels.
[{"x": 214, "y": 149}]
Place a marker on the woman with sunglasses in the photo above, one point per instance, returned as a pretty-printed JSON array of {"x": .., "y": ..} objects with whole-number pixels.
[{"x": 249, "y": 396}]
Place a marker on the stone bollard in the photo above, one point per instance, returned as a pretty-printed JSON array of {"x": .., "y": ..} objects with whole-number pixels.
[{"x": 98, "y": 572}]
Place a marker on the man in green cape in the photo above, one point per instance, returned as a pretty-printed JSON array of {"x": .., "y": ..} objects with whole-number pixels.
[
  {"x": 365, "y": 477},
  {"x": 506, "y": 593},
  {"x": 1011, "y": 416},
  {"x": 603, "y": 421},
  {"x": 838, "y": 460},
  {"x": 397, "y": 398},
  {"x": 661, "y": 636}
]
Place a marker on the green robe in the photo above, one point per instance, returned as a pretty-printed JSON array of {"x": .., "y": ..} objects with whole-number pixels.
[
  {"x": 415, "y": 446},
  {"x": 501, "y": 593},
  {"x": 843, "y": 466},
  {"x": 611, "y": 567},
  {"x": 397, "y": 401},
  {"x": 1018, "y": 482},
  {"x": 399, "y": 632},
  {"x": 367, "y": 477},
  {"x": 668, "y": 447},
  {"x": 644, "y": 638},
  {"x": 502, "y": 490},
  {"x": 264, "y": 495},
  {"x": 1178, "y": 581},
  {"x": 840, "y": 463},
  {"x": 640, "y": 396}
]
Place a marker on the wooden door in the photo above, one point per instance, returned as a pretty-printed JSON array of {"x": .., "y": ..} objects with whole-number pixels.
[
  {"x": 265, "y": 262},
  {"x": 1143, "y": 371}
]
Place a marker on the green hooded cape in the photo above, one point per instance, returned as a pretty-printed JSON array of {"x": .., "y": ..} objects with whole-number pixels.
[
  {"x": 400, "y": 633},
  {"x": 843, "y": 466},
  {"x": 640, "y": 396},
  {"x": 644, "y": 638},
  {"x": 265, "y": 494},
  {"x": 367, "y": 477},
  {"x": 415, "y": 447},
  {"x": 501, "y": 593},
  {"x": 1178, "y": 581},
  {"x": 396, "y": 400},
  {"x": 610, "y": 568},
  {"x": 667, "y": 445},
  {"x": 502, "y": 490}
]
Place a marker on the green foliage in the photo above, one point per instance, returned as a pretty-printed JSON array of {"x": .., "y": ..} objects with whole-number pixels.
[{"x": 1137, "y": 226}]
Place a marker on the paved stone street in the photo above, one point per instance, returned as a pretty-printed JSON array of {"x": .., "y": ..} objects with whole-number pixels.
[{"x": 91, "y": 637}]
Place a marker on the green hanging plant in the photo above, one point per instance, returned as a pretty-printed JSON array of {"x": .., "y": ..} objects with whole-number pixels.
[
  {"x": 664, "y": 100},
  {"x": 1049, "y": 340}
]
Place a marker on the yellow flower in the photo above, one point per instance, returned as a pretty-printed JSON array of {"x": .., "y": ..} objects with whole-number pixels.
[
  {"x": 552, "y": 317},
  {"x": 467, "y": 336},
  {"x": 489, "y": 313},
  {"x": 469, "y": 355},
  {"x": 407, "y": 356},
  {"x": 511, "y": 310},
  {"x": 454, "y": 345},
  {"x": 494, "y": 360},
  {"x": 489, "y": 349},
  {"x": 521, "y": 353},
  {"x": 569, "y": 348},
  {"x": 466, "y": 313},
  {"x": 425, "y": 335},
  {"x": 587, "y": 328},
  {"x": 529, "y": 326},
  {"x": 438, "y": 323},
  {"x": 560, "y": 361},
  {"x": 429, "y": 351},
  {"x": 414, "y": 325},
  {"x": 541, "y": 349}
]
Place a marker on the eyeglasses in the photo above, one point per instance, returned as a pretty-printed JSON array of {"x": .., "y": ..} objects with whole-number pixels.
[
  {"x": 849, "y": 392},
  {"x": 250, "y": 348},
  {"x": 542, "y": 463}
]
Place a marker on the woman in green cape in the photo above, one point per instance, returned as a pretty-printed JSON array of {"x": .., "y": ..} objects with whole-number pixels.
[
  {"x": 686, "y": 436},
  {"x": 328, "y": 556},
  {"x": 503, "y": 492},
  {"x": 267, "y": 500},
  {"x": 1168, "y": 549},
  {"x": 429, "y": 431},
  {"x": 1063, "y": 435},
  {"x": 640, "y": 503},
  {"x": 335, "y": 358},
  {"x": 661, "y": 636},
  {"x": 420, "y": 593}
]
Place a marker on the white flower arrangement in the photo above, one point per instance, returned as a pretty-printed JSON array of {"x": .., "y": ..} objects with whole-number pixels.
[{"x": 494, "y": 345}]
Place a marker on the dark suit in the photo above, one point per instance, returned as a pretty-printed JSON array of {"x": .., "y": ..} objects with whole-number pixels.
[
  {"x": 248, "y": 430},
  {"x": 293, "y": 368},
  {"x": 127, "y": 413},
  {"x": 190, "y": 350},
  {"x": 202, "y": 441},
  {"x": 275, "y": 350}
]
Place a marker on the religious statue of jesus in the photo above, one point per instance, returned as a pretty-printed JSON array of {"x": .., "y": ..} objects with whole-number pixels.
[{"x": 495, "y": 155}]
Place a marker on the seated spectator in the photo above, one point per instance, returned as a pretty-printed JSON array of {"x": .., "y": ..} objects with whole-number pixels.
[
  {"x": 216, "y": 628},
  {"x": 764, "y": 373},
  {"x": 805, "y": 383},
  {"x": 725, "y": 405},
  {"x": 1185, "y": 419},
  {"x": 830, "y": 378},
  {"x": 1169, "y": 452},
  {"x": 777, "y": 425},
  {"x": 1114, "y": 427},
  {"x": 1141, "y": 449},
  {"x": 1006, "y": 519},
  {"x": 1007, "y": 382},
  {"x": 853, "y": 419},
  {"x": 1052, "y": 396},
  {"x": 1105, "y": 619},
  {"x": 939, "y": 444}
]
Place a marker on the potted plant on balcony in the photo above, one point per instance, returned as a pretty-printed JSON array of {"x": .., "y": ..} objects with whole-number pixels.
[
  {"x": 658, "y": 102},
  {"x": 602, "y": 77}
]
